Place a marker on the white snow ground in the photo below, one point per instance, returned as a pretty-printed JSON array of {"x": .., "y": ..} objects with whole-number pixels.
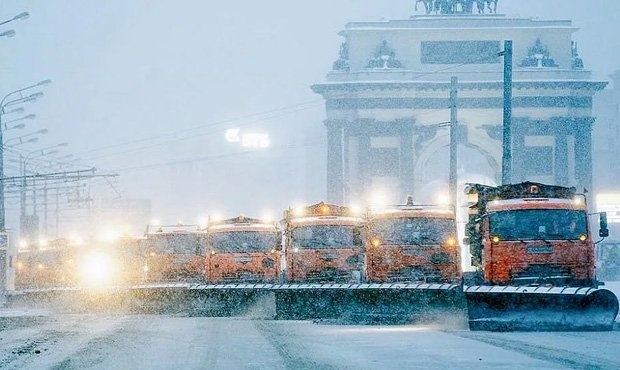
[
  {"x": 38, "y": 339},
  {"x": 162, "y": 342}
]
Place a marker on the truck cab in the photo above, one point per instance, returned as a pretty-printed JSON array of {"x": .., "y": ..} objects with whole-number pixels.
[
  {"x": 242, "y": 249},
  {"x": 174, "y": 253},
  {"x": 47, "y": 266},
  {"x": 409, "y": 243},
  {"x": 323, "y": 243},
  {"x": 531, "y": 233}
]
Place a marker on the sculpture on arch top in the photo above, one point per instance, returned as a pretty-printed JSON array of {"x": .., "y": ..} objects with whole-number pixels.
[{"x": 457, "y": 6}]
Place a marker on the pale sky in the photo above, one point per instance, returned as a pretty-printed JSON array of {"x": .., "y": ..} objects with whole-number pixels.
[{"x": 128, "y": 76}]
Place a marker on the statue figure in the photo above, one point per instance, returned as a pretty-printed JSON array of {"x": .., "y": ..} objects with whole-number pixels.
[
  {"x": 342, "y": 64},
  {"x": 467, "y": 6},
  {"x": 576, "y": 61},
  {"x": 428, "y": 5},
  {"x": 457, "y": 6},
  {"x": 484, "y": 5},
  {"x": 494, "y": 8}
]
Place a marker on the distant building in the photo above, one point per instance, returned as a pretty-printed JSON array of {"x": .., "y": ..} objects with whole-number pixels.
[
  {"x": 388, "y": 95},
  {"x": 606, "y": 138}
]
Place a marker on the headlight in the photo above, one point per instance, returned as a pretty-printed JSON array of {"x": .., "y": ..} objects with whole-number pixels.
[
  {"x": 97, "y": 269},
  {"x": 583, "y": 237},
  {"x": 495, "y": 239}
]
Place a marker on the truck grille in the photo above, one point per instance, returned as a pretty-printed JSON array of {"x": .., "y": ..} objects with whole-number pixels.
[
  {"x": 243, "y": 277},
  {"x": 329, "y": 275},
  {"x": 542, "y": 273},
  {"x": 414, "y": 274}
]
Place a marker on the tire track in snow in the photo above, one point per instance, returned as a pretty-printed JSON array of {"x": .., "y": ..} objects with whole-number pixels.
[
  {"x": 293, "y": 354},
  {"x": 563, "y": 357}
]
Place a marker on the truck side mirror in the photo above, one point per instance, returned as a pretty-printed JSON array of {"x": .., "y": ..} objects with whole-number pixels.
[{"x": 604, "y": 229}]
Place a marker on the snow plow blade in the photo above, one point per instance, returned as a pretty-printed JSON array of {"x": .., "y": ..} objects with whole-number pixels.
[
  {"x": 395, "y": 303},
  {"x": 165, "y": 298},
  {"x": 220, "y": 300},
  {"x": 512, "y": 308}
]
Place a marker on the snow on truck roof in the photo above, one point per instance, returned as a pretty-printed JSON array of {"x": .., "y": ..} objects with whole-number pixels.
[
  {"x": 241, "y": 223},
  {"x": 421, "y": 211},
  {"x": 232, "y": 227},
  {"x": 536, "y": 203},
  {"x": 326, "y": 220},
  {"x": 173, "y": 229}
]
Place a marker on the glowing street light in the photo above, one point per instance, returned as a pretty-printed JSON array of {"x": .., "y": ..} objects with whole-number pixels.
[{"x": 248, "y": 140}]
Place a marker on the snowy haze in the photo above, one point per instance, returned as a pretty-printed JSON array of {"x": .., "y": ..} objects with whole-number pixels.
[{"x": 147, "y": 89}]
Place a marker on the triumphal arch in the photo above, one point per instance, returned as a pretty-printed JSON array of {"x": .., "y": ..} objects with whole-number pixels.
[{"x": 387, "y": 103}]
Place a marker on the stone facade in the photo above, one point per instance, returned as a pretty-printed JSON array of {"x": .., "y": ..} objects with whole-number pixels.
[{"x": 387, "y": 102}]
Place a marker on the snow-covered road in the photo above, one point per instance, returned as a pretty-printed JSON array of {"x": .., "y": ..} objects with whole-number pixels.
[{"x": 159, "y": 342}]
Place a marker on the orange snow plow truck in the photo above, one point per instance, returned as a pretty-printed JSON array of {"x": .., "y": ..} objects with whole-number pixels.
[
  {"x": 242, "y": 250},
  {"x": 534, "y": 249},
  {"x": 242, "y": 263},
  {"x": 335, "y": 271},
  {"x": 414, "y": 245}
]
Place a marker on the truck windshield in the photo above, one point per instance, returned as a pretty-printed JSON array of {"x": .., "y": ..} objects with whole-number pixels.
[
  {"x": 538, "y": 224},
  {"x": 243, "y": 241},
  {"x": 177, "y": 243},
  {"x": 413, "y": 230},
  {"x": 326, "y": 236}
]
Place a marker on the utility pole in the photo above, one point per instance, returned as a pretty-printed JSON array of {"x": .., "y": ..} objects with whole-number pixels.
[
  {"x": 57, "y": 211},
  {"x": 453, "y": 140},
  {"x": 507, "y": 123},
  {"x": 45, "y": 209}
]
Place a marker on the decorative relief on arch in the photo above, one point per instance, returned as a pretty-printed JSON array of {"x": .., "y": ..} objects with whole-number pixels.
[
  {"x": 538, "y": 57},
  {"x": 385, "y": 58},
  {"x": 342, "y": 64}
]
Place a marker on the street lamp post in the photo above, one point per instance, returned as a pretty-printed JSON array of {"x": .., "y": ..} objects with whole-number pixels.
[
  {"x": 20, "y": 126},
  {"x": 10, "y": 99},
  {"x": 24, "y": 163},
  {"x": 11, "y": 33},
  {"x": 20, "y": 139},
  {"x": 21, "y": 16}
]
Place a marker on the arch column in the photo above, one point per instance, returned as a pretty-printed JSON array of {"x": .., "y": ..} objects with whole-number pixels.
[
  {"x": 583, "y": 154},
  {"x": 406, "y": 163},
  {"x": 335, "y": 163}
]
